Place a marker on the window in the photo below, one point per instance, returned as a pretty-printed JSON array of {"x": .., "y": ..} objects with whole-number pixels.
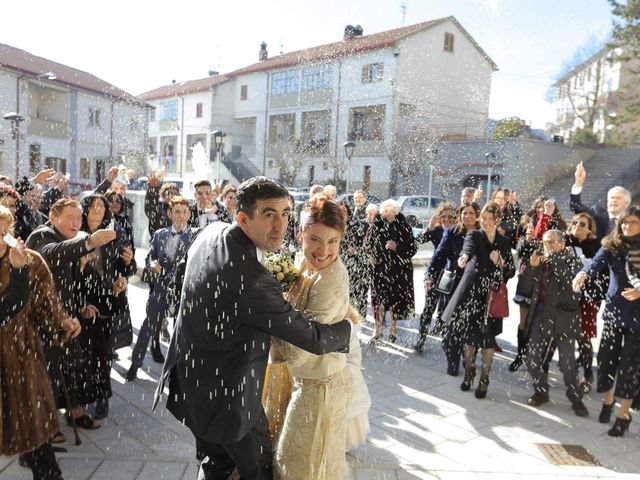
[
  {"x": 283, "y": 83},
  {"x": 448, "y": 42},
  {"x": 84, "y": 168},
  {"x": 373, "y": 72},
  {"x": 244, "y": 89},
  {"x": 94, "y": 117},
  {"x": 318, "y": 77},
  {"x": 366, "y": 123},
  {"x": 282, "y": 128},
  {"x": 169, "y": 110},
  {"x": 152, "y": 115},
  {"x": 199, "y": 110},
  {"x": 315, "y": 131}
]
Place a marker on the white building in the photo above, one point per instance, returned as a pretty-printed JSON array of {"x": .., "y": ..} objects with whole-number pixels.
[
  {"x": 69, "y": 120},
  {"x": 185, "y": 115},
  {"x": 289, "y": 116},
  {"x": 593, "y": 95}
]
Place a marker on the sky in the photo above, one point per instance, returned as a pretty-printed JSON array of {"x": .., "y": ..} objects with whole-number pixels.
[{"x": 139, "y": 45}]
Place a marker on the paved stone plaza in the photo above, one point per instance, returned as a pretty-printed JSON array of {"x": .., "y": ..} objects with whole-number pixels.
[{"x": 422, "y": 425}]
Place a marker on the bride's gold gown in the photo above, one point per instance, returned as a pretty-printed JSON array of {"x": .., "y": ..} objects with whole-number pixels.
[{"x": 309, "y": 440}]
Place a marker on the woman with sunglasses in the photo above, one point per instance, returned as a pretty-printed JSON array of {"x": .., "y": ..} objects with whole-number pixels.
[
  {"x": 443, "y": 219},
  {"x": 581, "y": 236},
  {"x": 619, "y": 353}
]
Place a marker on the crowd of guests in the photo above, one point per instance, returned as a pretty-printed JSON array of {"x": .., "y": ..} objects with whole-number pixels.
[{"x": 63, "y": 291}]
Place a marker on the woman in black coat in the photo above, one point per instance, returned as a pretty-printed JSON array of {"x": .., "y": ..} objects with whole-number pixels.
[
  {"x": 619, "y": 352},
  {"x": 487, "y": 262},
  {"x": 354, "y": 257},
  {"x": 104, "y": 277},
  {"x": 390, "y": 247},
  {"x": 581, "y": 236}
]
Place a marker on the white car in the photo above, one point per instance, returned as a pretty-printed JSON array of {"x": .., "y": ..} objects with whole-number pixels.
[{"x": 417, "y": 209}]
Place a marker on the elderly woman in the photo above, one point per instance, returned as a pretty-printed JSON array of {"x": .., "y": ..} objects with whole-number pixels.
[
  {"x": 619, "y": 352},
  {"x": 391, "y": 245},
  {"x": 104, "y": 276},
  {"x": 487, "y": 262},
  {"x": 28, "y": 305}
]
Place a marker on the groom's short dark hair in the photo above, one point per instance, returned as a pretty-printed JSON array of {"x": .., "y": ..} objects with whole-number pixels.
[{"x": 258, "y": 188}]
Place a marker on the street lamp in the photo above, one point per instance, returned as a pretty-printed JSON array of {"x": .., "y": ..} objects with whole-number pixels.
[
  {"x": 15, "y": 119},
  {"x": 433, "y": 152},
  {"x": 490, "y": 158},
  {"x": 349, "y": 149},
  {"x": 219, "y": 136}
]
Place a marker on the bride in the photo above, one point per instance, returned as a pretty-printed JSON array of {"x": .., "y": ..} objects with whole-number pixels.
[{"x": 311, "y": 444}]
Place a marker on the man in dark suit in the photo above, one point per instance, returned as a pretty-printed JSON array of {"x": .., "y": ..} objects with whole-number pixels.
[
  {"x": 230, "y": 307},
  {"x": 359, "y": 205},
  {"x": 207, "y": 208},
  {"x": 618, "y": 200}
]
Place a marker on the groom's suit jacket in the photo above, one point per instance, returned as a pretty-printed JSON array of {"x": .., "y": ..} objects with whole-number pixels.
[{"x": 229, "y": 308}]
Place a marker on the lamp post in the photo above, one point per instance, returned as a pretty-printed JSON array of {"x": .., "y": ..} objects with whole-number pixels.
[
  {"x": 349, "y": 149},
  {"x": 433, "y": 152},
  {"x": 490, "y": 158},
  {"x": 15, "y": 119},
  {"x": 219, "y": 136}
]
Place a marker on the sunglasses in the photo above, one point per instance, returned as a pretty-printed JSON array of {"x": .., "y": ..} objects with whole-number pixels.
[{"x": 580, "y": 223}]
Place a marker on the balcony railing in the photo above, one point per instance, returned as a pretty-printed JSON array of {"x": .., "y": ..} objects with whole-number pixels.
[{"x": 48, "y": 128}]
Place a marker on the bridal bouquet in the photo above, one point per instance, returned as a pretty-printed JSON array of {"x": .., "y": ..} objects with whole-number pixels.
[{"x": 281, "y": 266}]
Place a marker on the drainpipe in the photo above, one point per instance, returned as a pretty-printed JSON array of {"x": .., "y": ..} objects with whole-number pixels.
[
  {"x": 182, "y": 149},
  {"x": 111, "y": 133},
  {"x": 335, "y": 150},
  {"x": 266, "y": 129}
]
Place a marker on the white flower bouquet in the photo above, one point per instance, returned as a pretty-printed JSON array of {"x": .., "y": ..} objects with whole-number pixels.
[{"x": 281, "y": 266}]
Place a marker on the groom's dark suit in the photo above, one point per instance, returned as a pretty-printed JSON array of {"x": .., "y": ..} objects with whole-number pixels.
[{"x": 229, "y": 309}]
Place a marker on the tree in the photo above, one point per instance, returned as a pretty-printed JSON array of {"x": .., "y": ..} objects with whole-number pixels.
[
  {"x": 289, "y": 161},
  {"x": 584, "y": 136},
  {"x": 508, "y": 128}
]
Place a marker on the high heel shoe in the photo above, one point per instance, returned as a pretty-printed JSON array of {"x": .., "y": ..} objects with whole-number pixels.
[
  {"x": 605, "y": 413},
  {"x": 375, "y": 339},
  {"x": 483, "y": 386},
  {"x": 517, "y": 363},
  {"x": 620, "y": 426},
  {"x": 469, "y": 375}
]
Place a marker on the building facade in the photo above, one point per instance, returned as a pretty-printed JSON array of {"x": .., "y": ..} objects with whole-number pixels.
[
  {"x": 66, "y": 119},
  {"x": 594, "y": 96},
  {"x": 394, "y": 93}
]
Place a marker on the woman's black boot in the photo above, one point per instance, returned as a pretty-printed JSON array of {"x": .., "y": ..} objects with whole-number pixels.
[
  {"x": 519, "y": 360},
  {"x": 469, "y": 375},
  {"x": 620, "y": 426},
  {"x": 605, "y": 413},
  {"x": 483, "y": 386}
]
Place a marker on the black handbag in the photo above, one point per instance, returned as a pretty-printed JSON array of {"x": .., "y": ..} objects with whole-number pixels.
[
  {"x": 446, "y": 281},
  {"x": 121, "y": 332}
]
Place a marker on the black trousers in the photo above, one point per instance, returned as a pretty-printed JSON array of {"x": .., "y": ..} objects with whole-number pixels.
[
  {"x": 43, "y": 464},
  {"x": 252, "y": 455},
  {"x": 619, "y": 360}
]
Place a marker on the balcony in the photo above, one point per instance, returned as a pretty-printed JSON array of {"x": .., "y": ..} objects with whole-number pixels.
[{"x": 48, "y": 128}]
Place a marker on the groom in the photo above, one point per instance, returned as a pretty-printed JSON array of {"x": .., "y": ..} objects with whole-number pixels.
[{"x": 229, "y": 308}]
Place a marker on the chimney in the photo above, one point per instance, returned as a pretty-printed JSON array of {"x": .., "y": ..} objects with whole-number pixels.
[
  {"x": 263, "y": 52},
  {"x": 352, "y": 32},
  {"x": 213, "y": 73}
]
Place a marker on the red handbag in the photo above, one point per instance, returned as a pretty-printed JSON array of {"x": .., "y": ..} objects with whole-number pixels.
[{"x": 498, "y": 302}]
